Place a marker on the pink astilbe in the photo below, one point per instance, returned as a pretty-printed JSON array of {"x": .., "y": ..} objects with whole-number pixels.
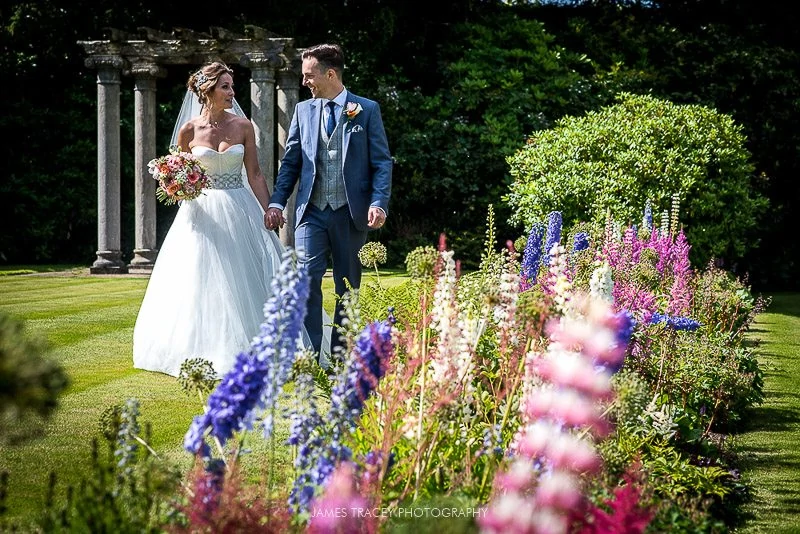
[
  {"x": 341, "y": 508},
  {"x": 626, "y": 515},
  {"x": 681, "y": 293},
  {"x": 220, "y": 500},
  {"x": 661, "y": 243}
]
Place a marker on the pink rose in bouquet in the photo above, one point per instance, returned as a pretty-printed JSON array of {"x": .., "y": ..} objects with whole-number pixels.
[{"x": 180, "y": 175}]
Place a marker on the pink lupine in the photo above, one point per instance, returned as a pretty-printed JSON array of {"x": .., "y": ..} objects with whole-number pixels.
[
  {"x": 576, "y": 373},
  {"x": 560, "y": 490},
  {"x": 565, "y": 400},
  {"x": 568, "y": 452}
]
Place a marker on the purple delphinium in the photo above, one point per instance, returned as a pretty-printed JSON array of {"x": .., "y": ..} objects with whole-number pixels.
[
  {"x": 306, "y": 433},
  {"x": 626, "y": 325},
  {"x": 676, "y": 323},
  {"x": 207, "y": 491},
  {"x": 554, "y": 222},
  {"x": 321, "y": 443},
  {"x": 374, "y": 348},
  {"x": 623, "y": 324},
  {"x": 365, "y": 366},
  {"x": 532, "y": 257},
  {"x": 580, "y": 242},
  {"x": 258, "y": 375}
]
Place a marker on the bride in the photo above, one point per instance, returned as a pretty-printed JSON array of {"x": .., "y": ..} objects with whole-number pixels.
[{"x": 206, "y": 294}]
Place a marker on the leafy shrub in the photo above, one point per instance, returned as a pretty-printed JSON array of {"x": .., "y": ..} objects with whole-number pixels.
[
  {"x": 616, "y": 159},
  {"x": 30, "y": 383},
  {"x": 129, "y": 489},
  {"x": 711, "y": 380},
  {"x": 724, "y": 302},
  {"x": 500, "y": 79}
]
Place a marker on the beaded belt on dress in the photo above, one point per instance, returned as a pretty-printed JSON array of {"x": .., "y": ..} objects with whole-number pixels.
[{"x": 228, "y": 180}]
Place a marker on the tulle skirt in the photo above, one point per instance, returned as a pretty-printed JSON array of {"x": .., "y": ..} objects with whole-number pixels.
[{"x": 206, "y": 294}]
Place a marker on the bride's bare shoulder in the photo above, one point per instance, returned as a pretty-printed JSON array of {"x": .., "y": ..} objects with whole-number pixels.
[
  {"x": 189, "y": 127},
  {"x": 186, "y": 133},
  {"x": 242, "y": 124}
]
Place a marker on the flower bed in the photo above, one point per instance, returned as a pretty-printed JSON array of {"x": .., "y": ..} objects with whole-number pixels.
[{"x": 587, "y": 388}]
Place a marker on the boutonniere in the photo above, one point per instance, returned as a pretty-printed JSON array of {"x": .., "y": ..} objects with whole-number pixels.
[{"x": 351, "y": 109}]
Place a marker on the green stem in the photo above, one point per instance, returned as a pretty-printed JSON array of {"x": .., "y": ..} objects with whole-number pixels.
[
  {"x": 418, "y": 467},
  {"x": 147, "y": 446},
  {"x": 507, "y": 411}
]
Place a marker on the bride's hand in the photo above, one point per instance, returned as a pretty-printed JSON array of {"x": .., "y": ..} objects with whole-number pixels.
[{"x": 273, "y": 219}]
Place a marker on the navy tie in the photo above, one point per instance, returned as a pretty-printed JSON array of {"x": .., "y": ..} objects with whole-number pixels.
[{"x": 331, "y": 124}]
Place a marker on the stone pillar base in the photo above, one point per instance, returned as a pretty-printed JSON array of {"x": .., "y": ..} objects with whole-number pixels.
[
  {"x": 143, "y": 261},
  {"x": 108, "y": 262}
]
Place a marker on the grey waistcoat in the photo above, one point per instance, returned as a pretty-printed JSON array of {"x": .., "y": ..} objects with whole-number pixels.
[{"x": 328, "y": 187}]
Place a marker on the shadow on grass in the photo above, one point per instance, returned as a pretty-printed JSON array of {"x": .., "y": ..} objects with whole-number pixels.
[
  {"x": 772, "y": 419},
  {"x": 785, "y": 304}
]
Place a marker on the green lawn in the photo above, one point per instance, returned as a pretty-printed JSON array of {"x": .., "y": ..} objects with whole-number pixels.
[
  {"x": 771, "y": 443},
  {"x": 88, "y": 321}
]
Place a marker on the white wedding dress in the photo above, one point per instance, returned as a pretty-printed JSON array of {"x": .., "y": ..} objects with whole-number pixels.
[{"x": 206, "y": 294}]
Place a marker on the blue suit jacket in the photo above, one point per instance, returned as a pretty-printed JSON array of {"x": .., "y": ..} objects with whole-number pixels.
[{"x": 366, "y": 162}]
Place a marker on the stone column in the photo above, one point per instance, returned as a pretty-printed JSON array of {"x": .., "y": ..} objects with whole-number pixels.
[
  {"x": 262, "y": 109},
  {"x": 145, "y": 251},
  {"x": 109, "y": 255},
  {"x": 288, "y": 97}
]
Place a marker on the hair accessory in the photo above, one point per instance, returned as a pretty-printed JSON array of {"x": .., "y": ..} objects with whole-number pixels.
[{"x": 199, "y": 80}]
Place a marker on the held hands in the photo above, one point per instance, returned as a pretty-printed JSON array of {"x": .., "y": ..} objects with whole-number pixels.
[
  {"x": 376, "y": 217},
  {"x": 273, "y": 219}
]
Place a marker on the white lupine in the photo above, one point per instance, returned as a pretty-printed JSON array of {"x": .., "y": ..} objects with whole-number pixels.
[
  {"x": 410, "y": 421},
  {"x": 561, "y": 285},
  {"x": 448, "y": 327},
  {"x": 664, "y": 229},
  {"x": 506, "y": 310},
  {"x": 443, "y": 312},
  {"x": 601, "y": 285},
  {"x": 471, "y": 328},
  {"x": 531, "y": 381}
]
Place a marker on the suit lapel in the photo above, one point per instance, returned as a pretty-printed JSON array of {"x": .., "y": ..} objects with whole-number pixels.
[
  {"x": 312, "y": 125},
  {"x": 347, "y": 128}
]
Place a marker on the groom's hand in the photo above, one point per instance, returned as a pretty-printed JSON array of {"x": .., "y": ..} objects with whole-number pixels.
[
  {"x": 273, "y": 218},
  {"x": 375, "y": 217}
]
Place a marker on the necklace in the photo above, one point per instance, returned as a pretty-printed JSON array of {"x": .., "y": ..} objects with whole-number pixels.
[{"x": 215, "y": 123}]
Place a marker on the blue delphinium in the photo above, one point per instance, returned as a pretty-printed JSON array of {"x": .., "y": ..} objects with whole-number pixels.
[
  {"x": 647, "y": 219},
  {"x": 676, "y": 323},
  {"x": 368, "y": 364},
  {"x": 127, "y": 443},
  {"x": 307, "y": 433},
  {"x": 554, "y": 223},
  {"x": 626, "y": 324},
  {"x": 257, "y": 377},
  {"x": 532, "y": 256},
  {"x": 580, "y": 242},
  {"x": 321, "y": 442}
]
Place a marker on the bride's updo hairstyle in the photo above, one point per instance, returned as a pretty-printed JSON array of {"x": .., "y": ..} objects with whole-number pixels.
[{"x": 204, "y": 80}]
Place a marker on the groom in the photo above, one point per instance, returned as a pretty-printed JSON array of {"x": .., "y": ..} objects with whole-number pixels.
[{"x": 337, "y": 150}]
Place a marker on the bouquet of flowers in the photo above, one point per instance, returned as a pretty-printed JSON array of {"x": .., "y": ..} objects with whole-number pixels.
[{"x": 180, "y": 175}]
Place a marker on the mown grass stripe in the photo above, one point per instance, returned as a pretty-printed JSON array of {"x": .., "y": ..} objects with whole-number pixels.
[{"x": 771, "y": 443}]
